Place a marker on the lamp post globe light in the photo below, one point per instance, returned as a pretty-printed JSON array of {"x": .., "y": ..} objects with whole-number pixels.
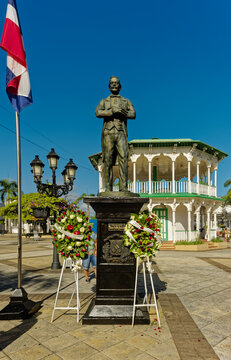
[{"x": 53, "y": 189}]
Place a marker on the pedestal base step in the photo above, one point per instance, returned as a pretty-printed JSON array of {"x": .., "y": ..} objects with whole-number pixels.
[
  {"x": 114, "y": 314},
  {"x": 17, "y": 310}
]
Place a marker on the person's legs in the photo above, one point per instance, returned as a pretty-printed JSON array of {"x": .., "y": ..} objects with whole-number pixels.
[
  {"x": 93, "y": 263},
  {"x": 86, "y": 264},
  {"x": 86, "y": 273}
]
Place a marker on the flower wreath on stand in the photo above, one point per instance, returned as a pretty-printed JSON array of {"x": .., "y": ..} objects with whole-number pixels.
[
  {"x": 142, "y": 236},
  {"x": 72, "y": 233}
]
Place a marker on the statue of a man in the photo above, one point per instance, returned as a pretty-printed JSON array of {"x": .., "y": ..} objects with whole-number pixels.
[{"x": 115, "y": 110}]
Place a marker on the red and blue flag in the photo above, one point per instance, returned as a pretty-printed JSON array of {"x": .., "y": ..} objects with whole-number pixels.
[{"x": 17, "y": 76}]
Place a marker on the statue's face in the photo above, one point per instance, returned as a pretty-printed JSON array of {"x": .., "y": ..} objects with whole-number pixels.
[{"x": 114, "y": 85}]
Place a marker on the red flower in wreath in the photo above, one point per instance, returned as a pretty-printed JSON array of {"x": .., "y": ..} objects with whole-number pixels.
[{"x": 70, "y": 227}]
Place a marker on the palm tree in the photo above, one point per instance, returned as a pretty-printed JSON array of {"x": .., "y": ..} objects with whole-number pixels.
[
  {"x": 8, "y": 189},
  {"x": 227, "y": 183},
  {"x": 227, "y": 197}
]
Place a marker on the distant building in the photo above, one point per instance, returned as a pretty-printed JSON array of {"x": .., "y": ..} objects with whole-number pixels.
[{"x": 179, "y": 176}]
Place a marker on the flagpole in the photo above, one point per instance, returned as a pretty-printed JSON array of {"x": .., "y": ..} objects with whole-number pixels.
[
  {"x": 20, "y": 96},
  {"x": 19, "y": 200},
  {"x": 19, "y": 307}
]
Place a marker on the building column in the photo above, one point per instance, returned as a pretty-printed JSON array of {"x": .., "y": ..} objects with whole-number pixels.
[
  {"x": 197, "y": 221},
  {"x": 173, "y": 177},
  {"x": 189, "y": 223},
  {"x": 100, "y": 178},
  {"x": 215, "y": 180},
  {"x": 208, "y": 225},
  {"x": 133, "y": 159},
  {"x": 134, "y": 176},
  {"x": 189, "y": 177},
  {"x": 215, "y": 220},
  {"x": 198, "y": 177},
  {"x": 173, "y": 224},
  {"x": 150, "y": 177},
  {"x": 209, "y": 178}
]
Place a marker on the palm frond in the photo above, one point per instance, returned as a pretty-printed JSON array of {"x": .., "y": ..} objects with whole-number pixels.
[{"x": 227, "y": 183}]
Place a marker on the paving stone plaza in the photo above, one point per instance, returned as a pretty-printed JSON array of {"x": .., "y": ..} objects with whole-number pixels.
[{"x": 194, "y": 300}]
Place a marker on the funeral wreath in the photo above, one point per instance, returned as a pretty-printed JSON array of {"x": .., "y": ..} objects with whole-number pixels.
[
  {"x": 72, "y": 232},
  {"x": 142, "y": 234}
]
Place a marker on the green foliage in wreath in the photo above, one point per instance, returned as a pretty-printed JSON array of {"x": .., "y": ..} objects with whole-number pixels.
[
  {"x": 72, "y": 221},
  {"x": 142, "y": 234}
]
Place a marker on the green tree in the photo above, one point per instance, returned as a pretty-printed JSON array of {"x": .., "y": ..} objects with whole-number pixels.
[
  {"x": 29, "y": 202},
  {"x": 8, "y": 189}
]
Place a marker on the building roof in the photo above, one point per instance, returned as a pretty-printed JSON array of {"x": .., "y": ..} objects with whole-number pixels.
[
  {"x": 200, "y": 145},
  {"x": 155, "y": 142}
]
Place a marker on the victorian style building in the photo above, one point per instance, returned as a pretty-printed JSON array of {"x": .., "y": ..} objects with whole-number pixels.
[{"x": 179, "y": 176}]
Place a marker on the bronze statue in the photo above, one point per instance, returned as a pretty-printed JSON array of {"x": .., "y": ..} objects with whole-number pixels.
[{"x": 115, "y": 110}]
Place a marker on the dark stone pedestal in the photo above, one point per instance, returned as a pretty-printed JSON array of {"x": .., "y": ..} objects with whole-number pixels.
[
  {"x": 19, "y": 307},
  {"x": 115, "y": 264}
]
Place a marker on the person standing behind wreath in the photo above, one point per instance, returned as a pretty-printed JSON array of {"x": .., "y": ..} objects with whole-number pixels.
[
  {"x": 227, "y": 234},
  {"x": 90, "y": 258},
  {"x": 115, "y": 110}
]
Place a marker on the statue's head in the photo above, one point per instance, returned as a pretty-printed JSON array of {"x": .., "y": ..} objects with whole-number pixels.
[{"x": 114, "y": 85}]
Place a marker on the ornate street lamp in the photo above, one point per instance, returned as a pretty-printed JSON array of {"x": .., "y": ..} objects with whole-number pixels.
[
  {"x": 37, "y": 169},
  {"x": 53, "y": 189},
  {"x": 71, "y": 170},
  {"x": 53, "y": 159}
]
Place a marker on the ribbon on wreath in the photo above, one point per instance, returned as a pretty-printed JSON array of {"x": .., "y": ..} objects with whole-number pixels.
[
  {"x": 149, "y": 266},
  {"x": 138, "y": 226},
  {"x": 71, "y": 235},
  {"x": 77, "y": 265}
]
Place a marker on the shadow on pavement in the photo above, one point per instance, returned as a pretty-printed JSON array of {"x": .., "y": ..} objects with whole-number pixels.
[
  {"x": 9, "y": 282},
  {"x": 7, "y": 337},
  {"x": 159, "y": 285}
]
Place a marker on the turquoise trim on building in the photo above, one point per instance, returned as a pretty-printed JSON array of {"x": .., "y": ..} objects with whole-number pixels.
[{"x": 163, "y": 216}]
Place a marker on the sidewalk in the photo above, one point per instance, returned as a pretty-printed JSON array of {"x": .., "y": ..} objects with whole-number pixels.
[{"x": 194, "y": 298}]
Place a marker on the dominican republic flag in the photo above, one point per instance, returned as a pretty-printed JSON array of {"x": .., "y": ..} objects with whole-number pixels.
[{"x": 17, "y": 76}]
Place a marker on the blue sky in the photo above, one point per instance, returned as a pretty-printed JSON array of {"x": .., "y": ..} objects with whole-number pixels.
[{"x": 173, "y": 59}]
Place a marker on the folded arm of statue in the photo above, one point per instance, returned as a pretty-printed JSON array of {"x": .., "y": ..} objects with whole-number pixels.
[{"x": 101, "y": 112}]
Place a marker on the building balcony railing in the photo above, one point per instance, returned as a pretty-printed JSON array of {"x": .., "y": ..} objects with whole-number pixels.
[
  {"x": 169, "y": 187},
  {"x": 187, "y": 235},
  {"x": 183, "y": 235}
]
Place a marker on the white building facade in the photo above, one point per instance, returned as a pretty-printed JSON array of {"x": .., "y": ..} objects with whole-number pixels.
[{"x": 179, "y": 176}]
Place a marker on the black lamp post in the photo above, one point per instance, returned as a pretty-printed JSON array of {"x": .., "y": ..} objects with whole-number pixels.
[{"x": 53, "y": 189}]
